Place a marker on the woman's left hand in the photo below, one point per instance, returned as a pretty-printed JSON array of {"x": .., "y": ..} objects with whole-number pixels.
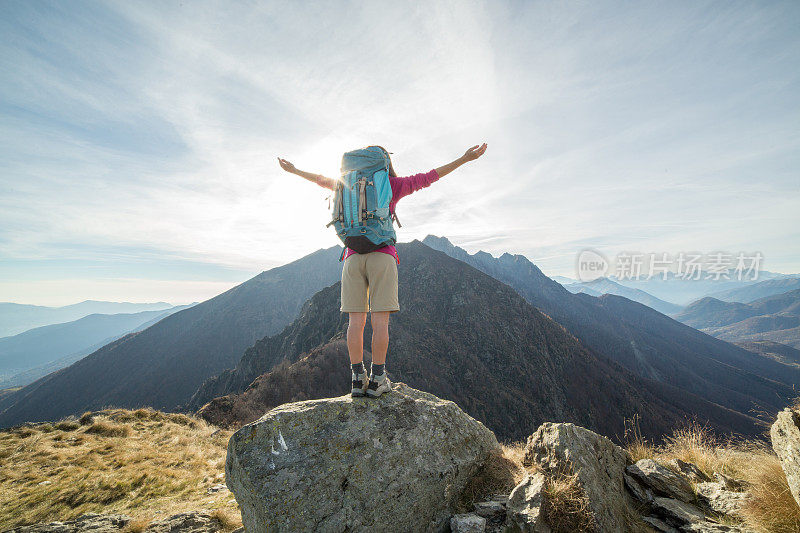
[{"x": 475, "y": 152}]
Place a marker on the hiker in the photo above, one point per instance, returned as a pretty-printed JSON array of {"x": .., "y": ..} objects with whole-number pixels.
[{"x": 369, "y": 273}]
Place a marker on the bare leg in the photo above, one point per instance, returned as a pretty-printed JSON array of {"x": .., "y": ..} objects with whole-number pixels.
[
  {"x": 355, "y": 337},
  {"x": 380, "y": 336}
]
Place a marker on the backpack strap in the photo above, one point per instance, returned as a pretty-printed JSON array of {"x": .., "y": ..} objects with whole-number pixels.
[
  {"x": 342, "y": 256},
  {"x": 337, "y": 205},
  {"x": 362, "y": 199}
]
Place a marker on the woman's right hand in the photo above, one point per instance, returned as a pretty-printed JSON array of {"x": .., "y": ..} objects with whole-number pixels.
[{"x": 287, "y": 166}]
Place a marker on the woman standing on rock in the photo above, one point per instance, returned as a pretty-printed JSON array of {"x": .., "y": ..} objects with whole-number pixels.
[{"x": 369, "y": 275}]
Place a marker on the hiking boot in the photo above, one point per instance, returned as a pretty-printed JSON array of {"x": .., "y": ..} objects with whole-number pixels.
[
  {"x": 378, "y": 385},
  {"x": 360, "y": 382}
]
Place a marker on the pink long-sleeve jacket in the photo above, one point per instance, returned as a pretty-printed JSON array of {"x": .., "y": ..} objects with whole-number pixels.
[{"x": 402, "y": 187}]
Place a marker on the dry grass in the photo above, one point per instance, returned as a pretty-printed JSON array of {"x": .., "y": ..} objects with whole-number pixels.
[
  {"x": 770, "y": 507},
  {"x": 230, "y": 520},
  {"x": 142, "y": 463},
  {"x": 637, "y": 446},
  {"x": 566, "y": 507},
  {"x": 500, "y": 473},
  {"x": 136, "y": 526},
  {"x": 106, "y": 429}
]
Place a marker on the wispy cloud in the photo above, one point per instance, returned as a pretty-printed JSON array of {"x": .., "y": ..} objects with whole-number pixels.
[{"x": 154, "y": 127}]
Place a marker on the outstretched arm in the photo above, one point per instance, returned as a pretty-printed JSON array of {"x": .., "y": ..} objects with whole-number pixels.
[
  {"x": 319, "y": 179},
  {"x": 470, "y": 155}
]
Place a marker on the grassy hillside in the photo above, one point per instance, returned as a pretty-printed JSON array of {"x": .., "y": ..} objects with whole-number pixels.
[{"x": 143, "y": 463}]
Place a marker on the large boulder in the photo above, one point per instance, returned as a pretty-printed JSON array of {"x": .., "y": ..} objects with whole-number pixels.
[
  {"x": 396, "y": 463},
  {"x": 785, "y": 434},
  {"x": 567, "y": 449}
]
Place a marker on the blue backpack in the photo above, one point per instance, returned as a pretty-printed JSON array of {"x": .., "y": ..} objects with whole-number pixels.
[{"x": 361, "y": 200}]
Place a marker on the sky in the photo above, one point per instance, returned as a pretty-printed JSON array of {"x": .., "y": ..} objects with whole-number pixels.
[{"x": 139, "y": 140}]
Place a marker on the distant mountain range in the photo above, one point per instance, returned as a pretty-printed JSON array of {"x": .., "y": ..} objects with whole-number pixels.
[
  {"x": 30, "y": 355},
  {"x": 682, "y": 292},
  {"x": 465, "y": 336},
  {"x": 774, "y": 318},
  {"x": 759, "y": 290},
  {"x": 643, "y": 340},
  {"x": 164, "y": 365},
  {"x": 18, "y": 318},
  {"x": 601, "y": 286},
  {"x": 667, "y": 367},
  {"x": 564, "y": 280}
]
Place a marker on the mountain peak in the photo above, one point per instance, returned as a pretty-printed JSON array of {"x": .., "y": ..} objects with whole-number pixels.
[{"x": 430, "y": 240}]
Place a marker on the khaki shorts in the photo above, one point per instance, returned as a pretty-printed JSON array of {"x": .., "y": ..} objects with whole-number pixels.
[{"x": 369, "y": 283}]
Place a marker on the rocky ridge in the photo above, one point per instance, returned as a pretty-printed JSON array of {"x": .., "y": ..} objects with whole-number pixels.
[
  {"x": 620, "y": 496},
  {"x": 403, "y": 462},
  {"x": 399, "y": 464}
]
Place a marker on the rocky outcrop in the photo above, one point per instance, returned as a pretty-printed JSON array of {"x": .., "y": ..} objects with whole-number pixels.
[
  {"x": 687, "y": 469},
  {"x": 677, "y": 512},
  {"x": 495, "y": 513},
  {"x": 716, "y": 498},
  {"x": 567, "y": 449},
  {"x": 785, "y": 434},
  {"x": 524, "y": 511},
  {"x": 674, "y": 497},
  {"x": 673, "y": 504},
  {"x": 398, "y": 463},
  {"x": 96, "y": 523},
  {"x": 662, "y": 479},
  {"x": 190, "y": 522},
  {"x": 467, "y": 523}
]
